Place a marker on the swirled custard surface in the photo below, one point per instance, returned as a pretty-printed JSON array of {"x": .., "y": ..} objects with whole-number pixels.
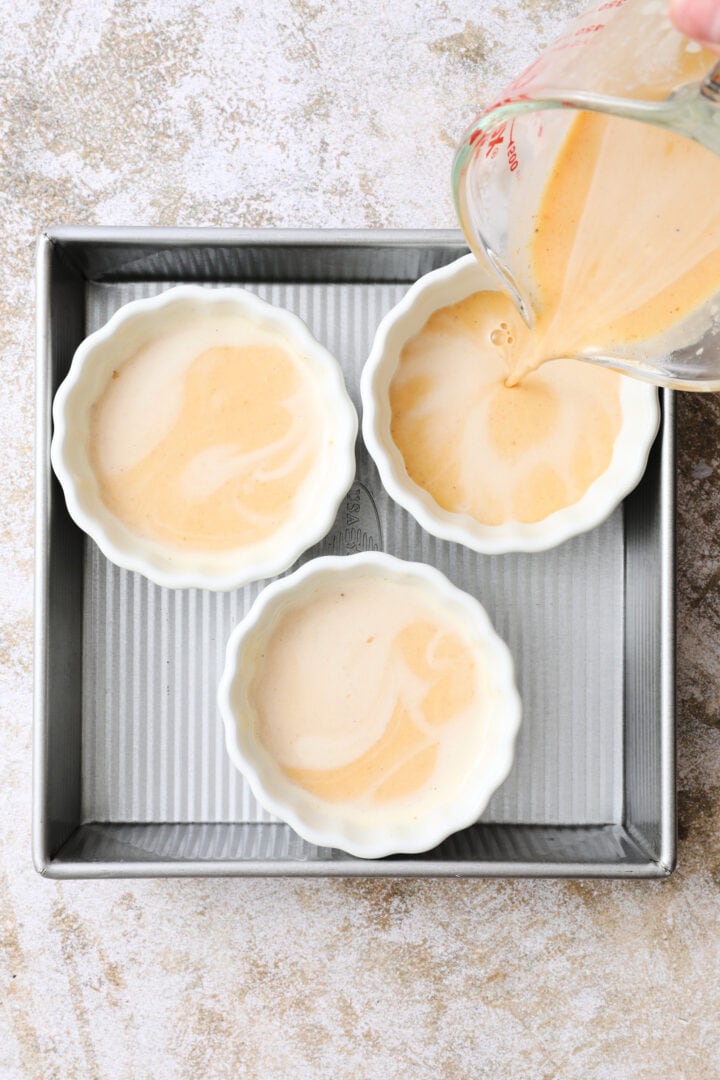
[
  {"x": 372, "y": 694},
  {"x": 482, "y": 448},
  {"x": 206, "y": 437}
]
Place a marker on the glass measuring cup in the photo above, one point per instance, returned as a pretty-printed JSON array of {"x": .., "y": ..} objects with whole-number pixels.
[{"x": 623, "y": 59}]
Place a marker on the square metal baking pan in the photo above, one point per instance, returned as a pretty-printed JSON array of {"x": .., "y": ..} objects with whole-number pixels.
[{"x": 131, "y": 775}]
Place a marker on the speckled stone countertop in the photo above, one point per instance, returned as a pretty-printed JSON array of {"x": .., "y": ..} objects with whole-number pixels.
[{"x": 327, "y": 113}]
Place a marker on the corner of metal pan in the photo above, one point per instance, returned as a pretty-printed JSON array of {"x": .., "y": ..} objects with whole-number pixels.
[{"x": 41, "y": 858}]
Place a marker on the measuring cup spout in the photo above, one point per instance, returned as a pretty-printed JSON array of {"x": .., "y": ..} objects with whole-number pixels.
[{"x": 642, "y": 215}]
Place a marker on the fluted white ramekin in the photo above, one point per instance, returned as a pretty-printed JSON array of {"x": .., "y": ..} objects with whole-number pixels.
[
  {"x": 131, "y": 327},
  {"x": 323, "y": 823},
  {"x": 640, "y": 421}
]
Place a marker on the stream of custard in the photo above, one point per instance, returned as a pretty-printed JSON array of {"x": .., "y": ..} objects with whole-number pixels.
[
  {"x": 371, "y": 694},
  {"x": 626, "y": 244}
]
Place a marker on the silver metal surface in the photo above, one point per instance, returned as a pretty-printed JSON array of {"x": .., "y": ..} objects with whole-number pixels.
[{"x": 131, "y": 772}]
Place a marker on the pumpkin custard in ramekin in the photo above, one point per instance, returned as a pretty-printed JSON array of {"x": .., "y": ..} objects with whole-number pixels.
[
  {"x": 370, "y": 704},
  {"x": 495, "y": 465},
  {"x": 204, "y": 438}
]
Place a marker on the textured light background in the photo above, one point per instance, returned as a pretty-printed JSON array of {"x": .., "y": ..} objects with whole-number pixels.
[{"x": 315, "y": 114}]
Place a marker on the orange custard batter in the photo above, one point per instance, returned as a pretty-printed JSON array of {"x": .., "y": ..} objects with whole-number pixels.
[
  {"x": 627, "y": 240},
  {"x": 484, "y": 449},
  {"x": 373, "y": 693},
  {"x": 205, "y": 438},
  {"x": 626, "y": 245}
]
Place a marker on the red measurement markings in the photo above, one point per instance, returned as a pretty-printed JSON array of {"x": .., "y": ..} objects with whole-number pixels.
[
  {"x": 576, "y": 44},
  {"x": 528, "y": 75},
  {"x": 489, "y": 141},
  {"x": 495, "y": 140},
  {"x": 512, "y": 150},
  {"x": 510, "y": 100}
]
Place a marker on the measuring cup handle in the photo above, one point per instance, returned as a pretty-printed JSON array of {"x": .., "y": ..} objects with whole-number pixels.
[{"x": 711, "y": 86}]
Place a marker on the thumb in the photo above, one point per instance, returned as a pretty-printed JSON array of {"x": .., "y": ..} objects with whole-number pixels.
[{"x": 698, "y": 19}]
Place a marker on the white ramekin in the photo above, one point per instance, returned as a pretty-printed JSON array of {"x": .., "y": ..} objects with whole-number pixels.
[
  {"x": 318, "y": 822},
  {"x": 640, "y": 421},
  {"x": 133, "y": 325}
]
